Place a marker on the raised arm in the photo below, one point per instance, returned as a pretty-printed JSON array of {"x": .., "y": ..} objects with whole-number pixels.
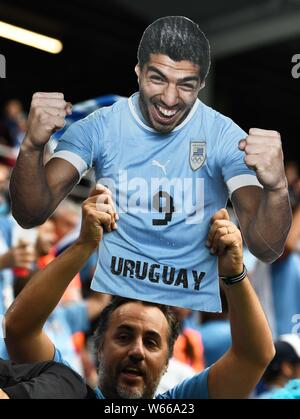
[
  {"x": 35, "y": 189},
  {"x": 25, "y": 339},
  {"x": 264, "y": 215},
  {"x": 236, "y": 374}
]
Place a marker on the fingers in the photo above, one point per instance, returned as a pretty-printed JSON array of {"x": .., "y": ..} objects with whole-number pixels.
[
  {"x": 264, "y": 132},
  {"x": 222, "y": 233},
  {"x": 109, "y": 211},
  {"x": 53, "y": 103},
  {"x": 50, "y": 110},
  {"x": 52, "y": 100},
  {"x": 55, "y": 112},
  {"x": 54, "y": 123},
  {"x": 103, "y": 218},
  {"x": 222, "y": 214},
  {"x": 104, "y": 195},
  {"x": 219, "y": 229},
  {"x": 259, "y": 140},
  {"x": 51, "y": 95},
  {"x": 224, "y": 237},
  {"x": 49, "y": 102},
  {"x": 100, "y": 200},
  {"x": 242, "y": 145},
  {"x": 264, "y": 154}
]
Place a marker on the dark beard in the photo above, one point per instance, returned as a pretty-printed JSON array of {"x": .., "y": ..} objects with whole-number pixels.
[{"x": 117, "y": 392}]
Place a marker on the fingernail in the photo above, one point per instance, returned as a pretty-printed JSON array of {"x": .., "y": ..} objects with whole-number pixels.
[
  {"x": 207, "y": 243},
  {"x": 117, "y": 216}
]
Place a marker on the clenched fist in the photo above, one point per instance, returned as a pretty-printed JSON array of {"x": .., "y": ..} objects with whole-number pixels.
[
  {"x": 47, "y": 115},
  {"x": 264, "y": 155}
]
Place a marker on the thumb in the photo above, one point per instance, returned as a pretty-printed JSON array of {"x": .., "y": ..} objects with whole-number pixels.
[
  {"x": 99, "y": 189},
  {"x": 222, "y": 214},
  {"x": 242, "y": 145}
]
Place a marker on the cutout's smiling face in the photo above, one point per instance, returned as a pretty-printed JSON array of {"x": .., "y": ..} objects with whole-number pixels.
[{"x": 168, "y": 91}]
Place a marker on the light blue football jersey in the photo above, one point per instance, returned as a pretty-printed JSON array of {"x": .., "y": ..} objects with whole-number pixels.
[{"x": 166, "y": 188}]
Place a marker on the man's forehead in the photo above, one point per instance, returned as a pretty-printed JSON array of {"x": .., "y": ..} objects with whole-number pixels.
[
  {"x": 136, "y": 314},
  {"x": 164, "y": 62}
]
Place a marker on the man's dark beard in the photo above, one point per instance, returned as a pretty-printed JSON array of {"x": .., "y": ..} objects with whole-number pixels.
[{"x": 120, "y": 393}]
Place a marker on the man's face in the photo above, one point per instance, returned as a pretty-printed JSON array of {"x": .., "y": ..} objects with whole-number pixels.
[
  {"x": 296, "y": 373},
  {"x": 134, "y": 353},
  {"x": 46, "y": 237},
  {"x": 168, "y": 91},
  {"x": 65, "y": 222}
]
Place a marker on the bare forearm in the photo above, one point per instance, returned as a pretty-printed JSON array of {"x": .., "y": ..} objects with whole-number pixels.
[
  {"x": 268, "y": 230},
  {"x": 38, "y": 299},
  {"x": 29, "y": 190},
  {"x": 251, "y": 335}
]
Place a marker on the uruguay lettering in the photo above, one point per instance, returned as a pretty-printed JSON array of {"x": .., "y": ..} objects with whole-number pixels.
[{"x": 155, "y": 273}]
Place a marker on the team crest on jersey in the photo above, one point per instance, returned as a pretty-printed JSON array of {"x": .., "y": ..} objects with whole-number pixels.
[{"x": 197, "y": 154}]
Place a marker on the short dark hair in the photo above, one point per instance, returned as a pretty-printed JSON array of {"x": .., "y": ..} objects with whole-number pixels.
[
  {"x": 178, "y": 37},
  {"x": 285, "y": 352},
  {"x": 117, "y": 302}
]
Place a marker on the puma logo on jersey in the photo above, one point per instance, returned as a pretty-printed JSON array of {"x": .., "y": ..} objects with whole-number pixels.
[{"x": 162, "y": 166}]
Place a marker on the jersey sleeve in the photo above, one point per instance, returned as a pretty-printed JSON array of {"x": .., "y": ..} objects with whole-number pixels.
[
  {"x": 80, "y": 145},
  {"x": 191, "y": 388},
  {"x": 235, "y": 172}
]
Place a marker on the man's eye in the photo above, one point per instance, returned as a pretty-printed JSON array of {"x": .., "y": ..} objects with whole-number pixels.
[
  {"x": 156, "y": 79},
  {"x": 123, "y": 338},
  {"x": 187, "y": 86},
  {"x": 151, "y": 343}
]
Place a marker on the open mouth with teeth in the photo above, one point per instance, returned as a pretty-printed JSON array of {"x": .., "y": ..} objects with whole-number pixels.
[
  {"x": 163, "y": 115},
  {"x": 131, "y": 373}
]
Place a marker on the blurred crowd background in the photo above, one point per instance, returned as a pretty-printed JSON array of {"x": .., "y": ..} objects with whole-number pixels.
[{"x": 251, "y": 81}]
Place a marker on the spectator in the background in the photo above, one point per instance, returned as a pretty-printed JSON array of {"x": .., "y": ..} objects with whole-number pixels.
[
  {"x": 290, "y": 391},
  {"x": 11, "y": 257},
  {"x": 15, "y": 120},
  {"x": 278, "y": 284},
  {"x": 4, "y": 193},
  {"x": 187, "y": 357},
  {"x": 67, "y": 223},
  {"x": 215, "y": 332},
  {"x": 292, "y": 176},
  {"x": 188, "y": 347},
  {"x": 45, "y": 243},
  {"x": 285, "y": 365}
]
